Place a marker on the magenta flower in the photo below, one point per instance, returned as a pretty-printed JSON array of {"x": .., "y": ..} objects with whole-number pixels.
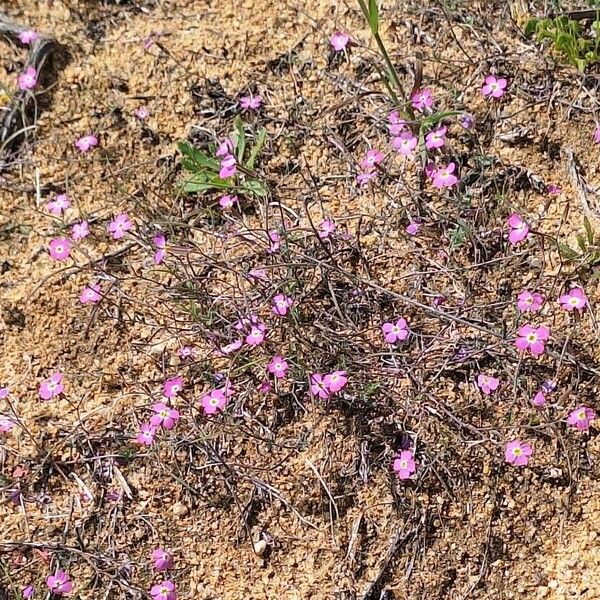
[
  {"x": 405, "y": 143},
  {"x": 29, "y": 36},
  {"x": 326, "y": 228},
  {"x": 282, "y": 304},
  {"x": 119, "y": 226},
  {"x": 529, "y": 301},
  {"x": 335, "y": 381},
  {"x": 466, "y": 121},
  {"x": 413, "y": 228},
  {"x": 365, "y": 177},
  {"x": 372, "y": 157},
  {"x": 255, "y": 337},
  {"x": 444, "y": 176},
  {"x": 164, "y": 591},
  {"x": 422, "y": 100},
  {"x": 519, "y": 229},
  {"x": 487, "y": 384},
  {"x": 275, "y": 241},
  {"x": 494, "y": 87},
  {"x": 553, "y": 190},
  {"x": 60, "y": 583},
  {"x": 60, "y": 248},
  {"x": 581, "y": 417},
  {"x": 436, "y": 138},
  {"x": 250, "y": 102},
  {"x": 162, "y": 560},
  {"x": 539, "y": 399},
  {"x": 224, "y": 148},
  {"x": 87, "y": 142},
  {"x": 80, "y": 230},
  {"x": 318, "y": 387},
  {"x": 532, "y": 339},
  {"x": 58, "y": 205},
  {"x": 29, "y": 590},
  {"x": 213, "y": 402},
  {"x": 228, "y": 201},
  {"x": 28, "y": 79},
  {"x": 145, "y": 435},
  {"x": 51, "y": 387},
  {"x": 395, "y": 332},
  {"x": 160, "y": 243},
  {"x": 6, "y": 424},
  {"x": 339, "y": 40},
  {"x": 228, "y": 166},
  {"x": 265, "y": 387},
  {"x": 165, "y": 416},
  {"x": 258, "y": 274},
  {"x": 575, "y": 298},
  {"x": 518, "y": 453},
  {"x": 396, "y": 124},
  {"x": 404, "y": 464},
  {"x": 597, "y": 135},
  {"x": 186, "y": 352},
  {"x": 278, "y": 366},
  {"x": 90, "y": 294},
  {"x": 142, "y": 113},
  {"x": 172, "y": 387}
]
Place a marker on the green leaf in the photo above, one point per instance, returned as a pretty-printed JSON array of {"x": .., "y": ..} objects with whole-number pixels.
[
  {"x": 258, "y": 146},
  {"x": 588, "y": 230},
  {"x": 240, "y": 144},
  {"x": 581, "y": 242},
  {"x": 531, "y": 26},
  {"x": 374, "y": 16},
  {"x": 253, "y": 186},
  {"x": 567, "y": 252},
  {"x": 201, "y": 182},
  {"x": 195, "y": 160}
]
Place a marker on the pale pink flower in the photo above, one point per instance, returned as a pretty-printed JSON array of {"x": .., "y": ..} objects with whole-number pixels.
[
  {"x": 229, "y": 348},
  {"x": 581, "y": 417},
  {"x": 413, "y": 228},
  {"x": 119, "y": 226},
  {"x": 4, "y": 393},
  {"x": 164, "y": 591},
  {"x": 518, "y": 453},
  {"x": 436, "y": 138},
  {"x": 326, "y": 228},
  {"x": 228, "y": 166},
  {"x": 395, "y": 332},
  {"x": 529, "y": 301},
  {"x": 255, "y": 337},
  {"x": 339, "y": 40},
  {"x": 162, "y": 560},
  {"x": 28, "y": 79},
  {"x": 597, "y": 135},
  {"x": 365, "y": 177},
  {"x": 172, "y": 387},
  {"x": 186, "y": 352},
  {"x": 444, "y": 176},
  {"x": 278, "y": 366},
  {"x": 372, "y": 157},
  {"x": 146, "y": 434},
  {"x": 405, "y": 143},
  {"x": 28, "y": 592},
  {"x": 60, "y": 248},
  {"x": 213, "y": 402},
  {"x": 250, "y": 102},
  {"x": 51, "y": 387},
  {"x": 539, "y": 399},
  {"x": 404, "y": 464},
  {"x": 90, "y": 294},
  {"x": 160, "y": 243},
  {"x": 80, "y": 230},
  {"x": 422, "y": 100},
  {"x": 519, "y": 230},
  {"x": 493, "y": 87},
  {"x": 142, "y": 113},
  {"x": 275, "y": 241},
  {"x": 29, "y": 36},
  {"x": 282, "y": 304},
  {"x": 258, "y": 274},
  {"x": 574, "y": 299},
  {"x": 335, "y": 381},
  {"x": 487, "y": 384},
  {"x": 318, "y": 387},
  {"x": 6, "y": 424},
  {"x": 60, "y": 583},
  {"x": 224, "y": 148},
  {"x": 532, "y": 339},
  {"x": 228, "y": 201},
  {"x": 164, "y": 415},
  {"x": 396, "y": 124},
  {"x": 58, "y": 205},
  {"x": 87, "y": 142}
]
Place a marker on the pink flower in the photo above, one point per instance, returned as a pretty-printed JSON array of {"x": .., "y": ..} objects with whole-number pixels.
[
  {"x": 90, "y": 294},
  {"x": 29, "y": 36},
  {"x": 119, "y": 226},
  {"x": 229, "y": 348},
  {"x": 413, "y": 228},
  {"x": 224, "y": 148},
  {"x": 258, "y": 274},
  {"x": 597, "y": 135},
  {"x": 282, "y": 304},
  {"x": 165, "y": 416},
  {"x": 493, "y": 87},
  {"x": 581, "y": 418},
  {"x": 145, "y": 435},
  {"x": 265, "y": 387},
  {"x": 444, "y": 176},
  {"x": 396, "y": 124},
  {"x": 142, "y": 113},
  {"x": 6, "y": 424},
  {"x": 4, "y": 393},
  {"x": 60, "y": 248},
  {"x": 404, "y": 464},
  {"x": 51, "y": 387},
  {"x": 318, "y": 387},
  {"x": 529, "y": 301},
  {"x": 250, "y": 102},
  {"x": 255, "y": 337},
  {"x": 186, "y": 352},
  {"x": 278, "y": 366},
  {"x": 228, "y": 166},
  {"x": 275, "y": 240},
  {"x": 519, "y": 229},
  {"x": 87, "y": 142},
  {"x": 487, "y": 384},
  {"x": 436, "y": 139},
  {"x": 466, "y": 121},
  {"x": 339, "y": 40},
  {"x": 518, "y": 453},
  {"x": 160, "y": 243},
  {"x": 539, "y": 399},
  {"x": 326, "y": 228},
  {"x": 405, "y": 143},
  {"x": 172, "y": 387},
  {"x": 395, "y": 332},
  {"x": 364, "y": 178},
  {"x": 162, "y": 560},
  {"x": 164, "y": 591},
  {"x": 532, "y": 339},
  {"x": 58, "y": 205},
  {"x": 28, "y": 79},
  {"x": 422, "y": 99},
  {"x": 80, "y": 230},
  {"x": 213, "y": 402},
  {"x": 372, "y": 157},
  {"x": 553, "y": 190},
  {"x": 60, "y": 583},
  {"x": 28, "y": 592},
  {"x": 575, "y": 298},
  {"x": 228, "y": 201},
  {"x": 335, "y": 381}
]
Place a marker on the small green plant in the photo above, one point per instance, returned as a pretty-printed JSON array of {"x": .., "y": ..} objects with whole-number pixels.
[
  {"x": 578, "y": 47},
  {"x": 587, "y": 254},
  {"x": 205, "y": 169}
]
